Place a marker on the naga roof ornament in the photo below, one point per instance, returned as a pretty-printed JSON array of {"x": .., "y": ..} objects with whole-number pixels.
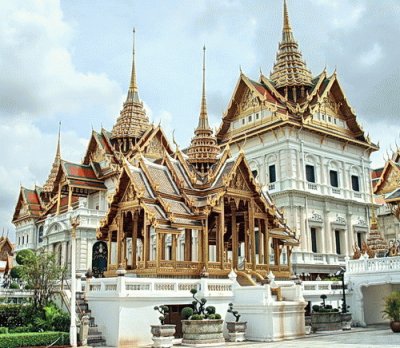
[{"x": 289, "y": 69}]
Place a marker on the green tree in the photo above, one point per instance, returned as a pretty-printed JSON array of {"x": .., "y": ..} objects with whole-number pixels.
[
  {"x": 23, "y": 255},
  {"x": 41, "y": 273}
]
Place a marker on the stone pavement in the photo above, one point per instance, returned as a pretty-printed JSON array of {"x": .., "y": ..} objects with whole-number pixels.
[{"x": 371, "y": 337}]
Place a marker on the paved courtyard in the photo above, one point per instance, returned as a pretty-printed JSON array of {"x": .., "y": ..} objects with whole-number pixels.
[{"x": 377, "y": 337}]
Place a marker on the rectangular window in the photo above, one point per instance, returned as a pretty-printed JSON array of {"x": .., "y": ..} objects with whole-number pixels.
[
  {"x": 333, "y": 175},
  {"x": 310, "y": 173},
  {"x": 27, "y": 238},
  {"x": 23, "y": 240},
  {"x": 337, "y": 241},
  {"x": 314, "y": 239},
  {"x": 359, "y": 239},
  {"x": 272, "y": 173},
  {"x": 355, "y": 183},
  {"x": 243, "y": 121},
  {"x": 257, "y": 116},
  {"x": 250, "y": 118}
]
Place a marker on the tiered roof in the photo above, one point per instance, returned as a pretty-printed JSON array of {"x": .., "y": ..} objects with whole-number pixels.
[
  {"x": 203, "y": 149},
  {"x": 289, "y": 69},
  {"x": 133, "y": 121}
]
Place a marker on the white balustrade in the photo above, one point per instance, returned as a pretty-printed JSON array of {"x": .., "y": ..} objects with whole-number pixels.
[{"x": 384, "y": 264}]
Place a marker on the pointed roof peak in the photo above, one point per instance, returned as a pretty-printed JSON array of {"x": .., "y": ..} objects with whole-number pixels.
[
  {"x": 203, "y": 149},
  {"x": 286, "y": 22},
  {"x": 289, "y": 70},
  {"x": 133, "y": 94},
  {"x": 203, "y": 119},
  {"x": 48, "y": 186},
  {"x": 133, "y": 121}
]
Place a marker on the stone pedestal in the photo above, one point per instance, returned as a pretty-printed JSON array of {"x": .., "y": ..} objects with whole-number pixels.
[
  {"x": 236, "y": 331},
  {"x": 163, "y": 335}
]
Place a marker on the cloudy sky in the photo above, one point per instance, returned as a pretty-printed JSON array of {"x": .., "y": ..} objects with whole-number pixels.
[{"x": 69, "y": 61}]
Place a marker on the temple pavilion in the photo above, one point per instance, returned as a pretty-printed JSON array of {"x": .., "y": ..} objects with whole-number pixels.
[
  {"x": 155, "y": 210},
  {"x": 191, "y": 213}
]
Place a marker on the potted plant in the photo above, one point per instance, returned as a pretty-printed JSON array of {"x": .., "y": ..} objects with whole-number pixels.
[
  {"x": 163, "y": 334},
  {"x": 392, "y": 310},
  {"x": 324, "y": 317},
  {"x": 236, "y": 329},
  {"x": 200, "y": 324}
]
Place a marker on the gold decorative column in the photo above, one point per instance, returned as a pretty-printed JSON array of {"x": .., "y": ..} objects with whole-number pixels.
[
  {"x": 235, "y": 245},
  {"x": 134, "y": 239}
]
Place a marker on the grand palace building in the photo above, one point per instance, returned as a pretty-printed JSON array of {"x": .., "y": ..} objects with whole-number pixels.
[{"x": 284, "y": 183}]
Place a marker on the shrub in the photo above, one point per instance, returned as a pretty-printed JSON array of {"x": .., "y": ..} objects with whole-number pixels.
[
  {"x": 164, "y": 311},
  {"x": 186, "y": 313},
  {"x": 3, "y": 330},
  {"x": 33, "y": 339},
  {"x": 20, "y": 329},
  {"x": 16, "y": 272},
  {"x": 218, "y": 316},
  {"x": 23, "y": 256},
  {"x": 197, "y": 317},
  {"x": 14, "y": 285},
  {"x": 234, "y": 313},
  {"x": 316, "y": 308},
  {"x": 10, "y": 315}
]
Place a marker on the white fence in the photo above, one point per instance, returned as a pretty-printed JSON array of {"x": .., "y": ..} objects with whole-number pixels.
[{"x": 365, "y": 265}]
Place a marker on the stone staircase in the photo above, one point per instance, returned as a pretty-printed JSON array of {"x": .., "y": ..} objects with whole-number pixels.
[{"x": 95, "y": 337}]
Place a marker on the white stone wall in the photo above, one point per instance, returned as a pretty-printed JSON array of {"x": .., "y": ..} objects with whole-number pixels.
[{"x": 316, "y": 204}]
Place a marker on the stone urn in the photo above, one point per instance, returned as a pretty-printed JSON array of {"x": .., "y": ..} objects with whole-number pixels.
[
  {"x": 236, "y": 330},
  {"x": 163, "y": 335},
  {"x": 395, "y": 326},
  {"x": 206, "y": 333},
  {"x": 326, "y": 321},
  {"x": 346, "y": 321}
]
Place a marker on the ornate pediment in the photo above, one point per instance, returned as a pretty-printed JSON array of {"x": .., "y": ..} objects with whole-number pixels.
[
  {"x": 239, "y": 182},
  {"x": 248, "y": 101},
  {"x": 391, "y": 182},
  {"x": 154, "y": 148},
  {"x": 129, "y": 195}
]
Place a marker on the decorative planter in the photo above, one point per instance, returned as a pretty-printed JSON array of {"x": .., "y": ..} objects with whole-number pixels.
[
  {"x": 163, "y": 335},
  {"x": 236, "y": 330},
  {"x": 326, "y": 321},
  {"x": 202, "y": 333},
  {"x": 395, "y": 326},
  {"x": 346, "y": 321}
]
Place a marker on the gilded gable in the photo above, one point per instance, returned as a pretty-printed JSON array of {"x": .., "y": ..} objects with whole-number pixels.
[{"x": 154, "y": 148}]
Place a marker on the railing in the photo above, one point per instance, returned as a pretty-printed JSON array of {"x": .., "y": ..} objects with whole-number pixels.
[
  {"x": 357, "y": 195},
  {"x": 148, "y": 287},
  {"x": 336, "y": 191},
  {"x": 271, "y": 187},
  {"x": 384, "y": 264}
]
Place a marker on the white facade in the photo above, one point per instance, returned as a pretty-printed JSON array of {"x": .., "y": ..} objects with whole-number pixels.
[
  {"x": 54, "y": 233},
  {"x": 328, "y": 219}
]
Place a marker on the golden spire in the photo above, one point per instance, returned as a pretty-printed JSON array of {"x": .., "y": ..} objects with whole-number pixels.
[
  {"x": 203, "y": 149},
  {"x": 133, "y": 88},
  {"x": 132, "y": 122},
  {"x": 48, "y": 186},
  {"x": 289, "y": 70}
]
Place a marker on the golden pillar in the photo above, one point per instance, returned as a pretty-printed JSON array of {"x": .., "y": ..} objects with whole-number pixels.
[
  {"x": 188, "y": 245},
  {"x": 205, "y": 243},
  {"x": 260, "y": 242},
  {"x": 221, "y": 232},
  {"x": 109, "y": 241},
  {"x": 235, "y": 245},
  {"x": 266, "y": 242},
  {"x": 69, "y": 198},
  {"x": 252, "y": 234},
  {"x": 134, "y": 239}
]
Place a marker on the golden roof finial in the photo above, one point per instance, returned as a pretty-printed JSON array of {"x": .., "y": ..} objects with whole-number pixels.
[
  {"x": 133, "y": 121},
  {"x": 133, "y": 88},
  {"x": 289, "y": 70},
  {"x": 203, "y": 149},
  {"x": 48, "y": 186},
  {"x": 286, "y": 23}
]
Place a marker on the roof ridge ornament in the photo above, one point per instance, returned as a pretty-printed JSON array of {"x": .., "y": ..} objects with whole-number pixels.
[{"x": 48, "y": 185}]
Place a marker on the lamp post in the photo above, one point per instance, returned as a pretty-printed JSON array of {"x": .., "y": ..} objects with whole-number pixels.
[{"x": 75, "y": 221}]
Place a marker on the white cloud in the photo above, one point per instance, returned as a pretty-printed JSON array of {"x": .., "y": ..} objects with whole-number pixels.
[
  {"x": 38, "y": 76},
  {"x": 372, "y": 56}
]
